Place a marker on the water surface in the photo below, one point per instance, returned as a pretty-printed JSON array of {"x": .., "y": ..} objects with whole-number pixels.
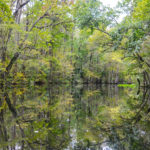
[{"x": 77, "y": 117}]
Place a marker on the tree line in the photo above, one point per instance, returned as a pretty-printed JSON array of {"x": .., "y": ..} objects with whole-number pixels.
[{"x": 75, "y": 41}]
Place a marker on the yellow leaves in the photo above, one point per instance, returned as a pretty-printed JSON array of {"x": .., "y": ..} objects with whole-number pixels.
[
  {"x": 5, "y": 12},
  {"x": 124, "y": 41},
  {"x": 115, "y": 114},
  {"x": 97, "y": 39},
  {"x": 116, "y": 57},
  {"x": 44, "y": 106},
  {"x": 142, "y": 11},
  {"x": 112, "y": 115},
  {"x": 4, "y": 105},
  {"x": 19, "y": 75},
  {"x": 19, "y": 92},
  {"x": 28, "y": 42},
  {"x": 115, "y": 110},
  {"x": 113, "y": 60},
  {"x": 44, "y": 62},
  {"x": 89, "y": 74},
  {"x": 64, "y": 65},
  {"x": 91, "y": 93},
  {"x": 145, "y": 50},
  {"x": 34, "y": 52}
]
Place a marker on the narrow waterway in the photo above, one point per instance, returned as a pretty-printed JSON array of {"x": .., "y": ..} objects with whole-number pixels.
[{"x": 74, "y": 118}]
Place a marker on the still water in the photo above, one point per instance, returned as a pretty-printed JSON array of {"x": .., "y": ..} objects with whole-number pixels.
[{"x": 74, "y": 118}]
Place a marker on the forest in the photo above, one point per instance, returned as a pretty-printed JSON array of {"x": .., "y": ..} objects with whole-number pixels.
[
  {"x": 74, "y": 42},
  {"x": 74, "y": 75}
]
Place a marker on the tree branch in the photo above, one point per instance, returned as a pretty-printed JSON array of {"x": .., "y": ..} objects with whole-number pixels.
[
  {"x": 142, "y": 60},
  {"x": 22, "y": 5},
  {"x": 13, "y": 60},
  {"x": 39, "y": 19},
  {"x": 16, "y": 55},
  {"x": 103, "y": 31},
  {"x": 53, "y": 25}
]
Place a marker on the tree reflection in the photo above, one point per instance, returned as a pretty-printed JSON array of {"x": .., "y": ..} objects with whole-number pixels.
[{"x": 81, "y": 117}]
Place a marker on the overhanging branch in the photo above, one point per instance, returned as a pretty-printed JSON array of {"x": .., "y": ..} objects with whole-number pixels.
[{"x": 22, "y": 5}]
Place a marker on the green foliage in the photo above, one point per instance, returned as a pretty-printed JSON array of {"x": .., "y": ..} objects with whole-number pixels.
[
  {"x": 87, "y": 13},
  {"x": 142, "y": 10},
  {"x": 93, "y": 14},
  {"x": 127, "y": 85},
  {"x": 60, "y": 42},
  {"x": 76, "y": 42},
  {"x": 5, "y": 12}
]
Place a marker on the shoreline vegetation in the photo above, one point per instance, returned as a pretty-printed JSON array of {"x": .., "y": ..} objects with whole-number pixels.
[
  {"x": 74, "y": 76},
  {"x": 55, "y": 42}
]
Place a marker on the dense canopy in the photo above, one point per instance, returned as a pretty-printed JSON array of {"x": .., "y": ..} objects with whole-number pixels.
[{"x": 74, "y": 41}]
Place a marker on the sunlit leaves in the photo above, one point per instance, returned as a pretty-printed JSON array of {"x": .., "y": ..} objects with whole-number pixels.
[
  {"x": 142, "y": 11},
  {"x": 5, "y": 12}
]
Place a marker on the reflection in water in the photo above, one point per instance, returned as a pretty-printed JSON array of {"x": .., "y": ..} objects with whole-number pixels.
[
  {"x": 74, "y": 118},
  {"x": 104, "y": 147}
]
